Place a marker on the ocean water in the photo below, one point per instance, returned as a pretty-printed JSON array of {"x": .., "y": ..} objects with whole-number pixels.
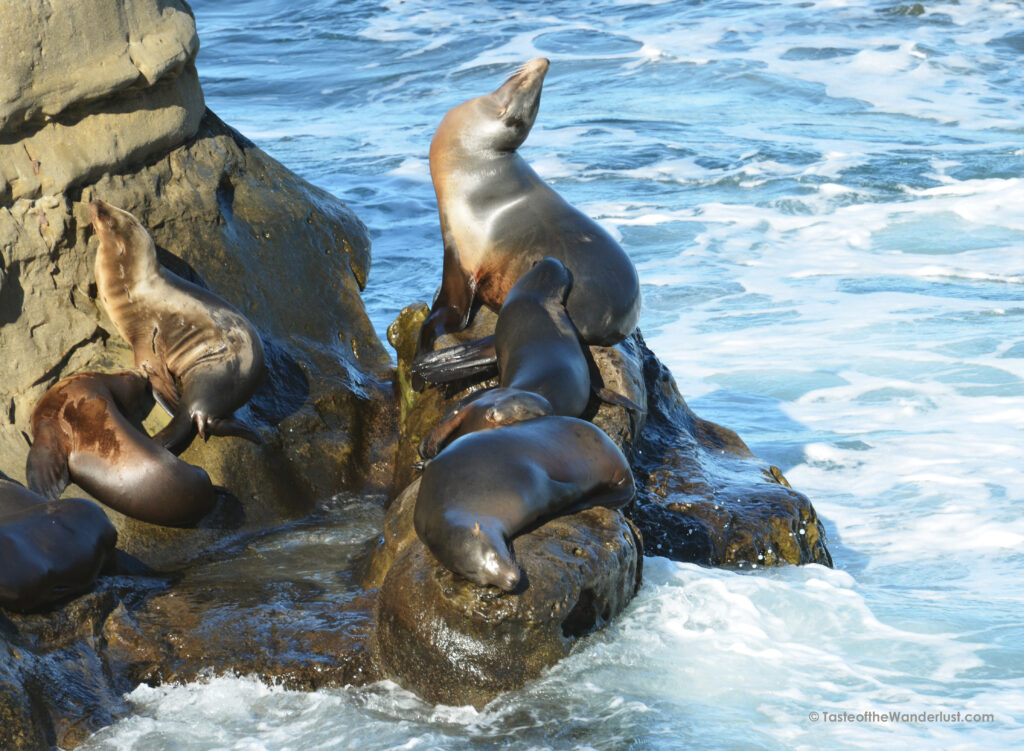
[{"x": 825, "y": 203}]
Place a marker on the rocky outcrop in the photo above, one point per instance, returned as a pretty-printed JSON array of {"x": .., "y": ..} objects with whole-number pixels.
[
  {"x": 702, "y": 497},
  {"x": 453, "y": 642}
]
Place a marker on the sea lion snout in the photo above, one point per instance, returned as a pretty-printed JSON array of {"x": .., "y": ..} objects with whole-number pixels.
[{"x": 99, "y": 211}]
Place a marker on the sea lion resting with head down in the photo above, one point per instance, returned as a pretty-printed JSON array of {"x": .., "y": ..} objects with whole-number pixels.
[
  {"x": 178, "y": 332},
  {"x": 541, "y": 366},
  {"x": 487, "y": 487},
  {"x": 498, "y": 218},
  {"x": 48, "y": 550},
  {"x": 81, "y": 435}
]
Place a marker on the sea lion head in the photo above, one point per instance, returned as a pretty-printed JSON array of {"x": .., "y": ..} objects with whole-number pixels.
[
  {"x": 505, "y": 406},
  {"x": 499, "y": 121},
  {"x": 549, "y": 278},
  {"x": 483, "y": 556},
  {"x": 122, "y": 237}
]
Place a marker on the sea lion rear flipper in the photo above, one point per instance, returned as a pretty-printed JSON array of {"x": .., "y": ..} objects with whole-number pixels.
[
  {"x": 47, "y": 469},
  {"x": 232, "y": 426},
  {"x": 611, "y": 397},
  {"x": 460, "y": 361}
]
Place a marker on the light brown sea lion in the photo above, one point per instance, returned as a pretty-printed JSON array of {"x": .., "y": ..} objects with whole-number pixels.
[
  {"x": 48, "y": 550},
  {"x": 542, "y": 369},
  {"x": 81, "y": 434},
  {"x": 180, "y": 333},
  {"x": 498, "y": 218},
  {"x": 487, "y": 487}
]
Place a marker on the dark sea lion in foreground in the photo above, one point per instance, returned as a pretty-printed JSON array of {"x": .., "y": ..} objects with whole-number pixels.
[
  {"x": 498, "y": 218},
  {"x": 49, "y": 550},
  {"x": 542, "y": 369},
  {"x": 81, "y": 435},
  {"x": 179, "y": 333},
  {"x": 487, "y": 487}
]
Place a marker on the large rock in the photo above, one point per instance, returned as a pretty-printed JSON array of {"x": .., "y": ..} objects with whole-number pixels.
[
  {"x": 90, "y": 85},
  {"x": 704, "y": 497},
  {"x": 453, "y": 642}
]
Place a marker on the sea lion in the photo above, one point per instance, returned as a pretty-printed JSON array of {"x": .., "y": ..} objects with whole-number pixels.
[
  {"x": 542, "y": 368},
  {"x": 489, "y": 486},
  {"x": 48, "y": 550},
  {"x": 498, "y": 218},
  {"x": 178, "y": 332},
  {"x": 81, "y": 435}
]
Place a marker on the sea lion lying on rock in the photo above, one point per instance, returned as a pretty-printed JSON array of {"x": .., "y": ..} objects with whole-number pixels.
[
  {"x": 81, "y": 435},
  {"x": 489, "y": 486},
  {"x": 49, "y": 550},
  {"x": 542, "y": 369}
]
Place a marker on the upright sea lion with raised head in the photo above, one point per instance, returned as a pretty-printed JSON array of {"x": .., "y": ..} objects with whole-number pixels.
[
  {"x": 487, "y": 487},
  {"x": 48, "y": 550},
  {"x": 498, "y": 218},
  {"x": 180, "y": 333},
  {"x": 81, "y": 434},
  {"x": 542, "y": 368}
]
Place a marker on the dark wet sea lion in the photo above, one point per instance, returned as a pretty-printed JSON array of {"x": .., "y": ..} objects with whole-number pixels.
[
  {"x": 180, "y": 333},
  {"x": 542, "y": 368},
  {"x": 498, "y": 218},
  {"x": 487, "y": 487},
  {"x": 81, "y": 435},
  {"x": 48, "y": 550}
]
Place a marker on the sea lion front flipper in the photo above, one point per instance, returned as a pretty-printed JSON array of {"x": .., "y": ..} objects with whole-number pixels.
[
  {"x": 165, "y": 391},
  {"x": 47, "y": 468},
  {"x": 224, "y": 426},
  {"x": 448, "y": 429},
  {"x": 611, "y": 397},
  {"x": 454, "y": 303},
  {"x": 177, "y": 434},
  {"x": 475, "y": 358}
]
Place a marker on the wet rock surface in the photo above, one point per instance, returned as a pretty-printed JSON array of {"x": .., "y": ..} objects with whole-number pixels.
[
  {"x": 452, "y": 642},
  {"x": 703, "y": 497},
  {"x": 287, "y": 607}
]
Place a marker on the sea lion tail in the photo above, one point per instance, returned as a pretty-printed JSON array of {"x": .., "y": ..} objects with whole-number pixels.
[
  {"x": 47, "y": 470},
  {"x": 454, "y": 363}
]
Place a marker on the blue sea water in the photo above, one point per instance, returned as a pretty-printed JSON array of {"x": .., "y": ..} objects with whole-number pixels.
[{"x": 825, "y": 203}]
